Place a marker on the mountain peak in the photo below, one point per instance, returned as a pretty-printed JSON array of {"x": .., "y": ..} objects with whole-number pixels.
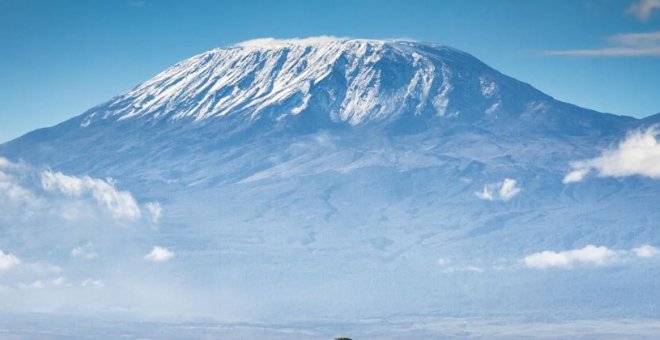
[
  {"x": 352, "y": 81},
  {"x": 321, "y": 81}
]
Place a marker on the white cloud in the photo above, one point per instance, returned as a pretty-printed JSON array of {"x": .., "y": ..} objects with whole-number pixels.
[
  {"x": 27, "y": 193},
  {"x": 31, "y": 195},
  {"x": 589, "y": 255},
  {"x": 643, "y": 9},
  {"x": 8, "y": 261},
  {"x": 159, "y": 254},
  {"x": 462, "y": 269},
  {"x": 635, "y": 39},
  {"x": 85, "y": 251},
  {"x": 503, "y": 191},
  {"x": 446, "y": 264},
  {"x": 91, "y": 283},
  {"x": 637, "y": 154},
  {"x": 444, "y": 261},
  {"x": 155, "y": 210},
  {"x": 13, "y": 192},
  {"x": 575, "y": 176},
  {"x": 646, "y": 251},
  {"x": 648, "y": 51},
  {"x": 120, "y": 204},
  {"x": 644, "y": 44},
  {"x": 38, "y": 284}
]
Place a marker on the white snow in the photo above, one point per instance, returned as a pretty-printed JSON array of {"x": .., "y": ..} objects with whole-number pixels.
[{"x": 368, "y": 80}]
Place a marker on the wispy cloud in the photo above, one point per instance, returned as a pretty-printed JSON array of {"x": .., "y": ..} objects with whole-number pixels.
[
  {"x": 637, "y": 154},
  {"x": 635, "y": 39},
  {"x": 447, "y": 267},
  {"x": 499, "y": 191},
  {"x": 646, "y": 44},
  {"x": 92, "y": 283},
  {"x": 644, "y": 9},
  {"x": 85, "y": 251}
]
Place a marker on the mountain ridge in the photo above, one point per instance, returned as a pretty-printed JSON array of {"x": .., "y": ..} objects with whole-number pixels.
[{"x": 338, "y": 81}]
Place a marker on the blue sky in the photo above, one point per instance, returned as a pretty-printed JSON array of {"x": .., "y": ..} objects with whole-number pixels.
[{"x": 59, "y": 58}]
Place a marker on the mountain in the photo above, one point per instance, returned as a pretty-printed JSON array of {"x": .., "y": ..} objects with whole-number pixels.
[
  {"x": 284, "y": 88},
  {"x": 294, "y": 174}
]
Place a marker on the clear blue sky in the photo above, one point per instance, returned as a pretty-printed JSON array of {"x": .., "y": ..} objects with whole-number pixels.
[{"x": 59, "y": 58}]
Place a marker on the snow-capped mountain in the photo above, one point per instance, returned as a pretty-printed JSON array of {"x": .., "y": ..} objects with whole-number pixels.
[
  {"x": 283, "y": 88},
  {"x": 329, "y": 80},
  {"x": 410, "y": 172}
]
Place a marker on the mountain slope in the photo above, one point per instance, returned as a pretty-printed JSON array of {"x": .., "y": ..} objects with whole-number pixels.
[{"x": 346, "y": 179}]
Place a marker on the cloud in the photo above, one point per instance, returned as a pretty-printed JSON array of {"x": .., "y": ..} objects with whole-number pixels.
[
  {"x": 91, "y": 283},
  {"x": 120, "y": 204},
  {"x": 28, "y": 194},
  {"x": 646, "y": 251},
  {"x": 446, "y": 264},
  {"x": 503, "y": 191},
  {"x": 155, "y": 210},
  {"x": 608, "y": 52},
  {"x": 38, "y": 284},
  {"x": 8, "y": 261},
  {"x": 637, "y": 154},
  {"x": 85, "y": 251},
  {"x": 643, "y": 9},
  {"x": 12, "y": 192},
  {"x": 4, "y": 162},
  {"x": 635, "y": 39},
  {"x": 646, "y": 44},
  {"x": 589, "y": 255},
  {"x": 159, "y": 254},
  {"x": 575, "y": 176}
]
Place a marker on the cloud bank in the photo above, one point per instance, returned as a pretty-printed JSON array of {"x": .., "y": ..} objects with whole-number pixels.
[
  {"x": 637, "y": 154},
  {"x": 500, "y": 191}
]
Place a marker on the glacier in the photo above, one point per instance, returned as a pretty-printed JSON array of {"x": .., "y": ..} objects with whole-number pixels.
[{"x": 329, "y": 183}]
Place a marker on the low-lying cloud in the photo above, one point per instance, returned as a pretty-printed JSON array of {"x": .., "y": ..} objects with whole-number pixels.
[
  {"x": 120, "y": 204},
  {"x": 8, "y": 261},
  {"x": 26, "y": 192},
  {"x": 500, "y": 191},
  {"x": 159, "y": 254},
  {"x": 589, "y": 255},
  {"x": 637, "y": 154},
  {"x": 85, "y": 251}
]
